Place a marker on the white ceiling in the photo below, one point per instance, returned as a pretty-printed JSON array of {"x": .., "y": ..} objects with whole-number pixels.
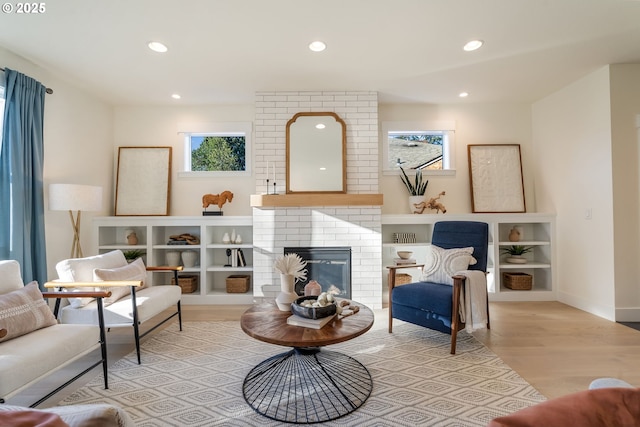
[{"x": 223, "y": 51}]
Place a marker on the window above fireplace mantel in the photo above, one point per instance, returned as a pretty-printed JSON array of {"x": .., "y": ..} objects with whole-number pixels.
[{"x": 303, "y": 200}]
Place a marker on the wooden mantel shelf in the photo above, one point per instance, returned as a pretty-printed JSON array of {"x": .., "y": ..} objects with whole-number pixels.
[{"x": 301, "y": 200}]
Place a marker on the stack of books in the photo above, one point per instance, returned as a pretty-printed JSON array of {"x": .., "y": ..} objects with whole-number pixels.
[
  {"x": 309, "y": 323},
  {"x": 404, "y": 237},
  {"x": 237, "y": 258},
  {"x": 401, "y": 261}
]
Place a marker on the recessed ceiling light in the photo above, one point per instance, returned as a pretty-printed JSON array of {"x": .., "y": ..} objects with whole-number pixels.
[
  {"x": 320, "y": 126},
  {"x": 176, "y": 96},
  {"x": 317, "y": 46},
  {"x": 463, "y": 94},
  {"x": 473, "y": 45},
  {"x": 157, "y": 47}
]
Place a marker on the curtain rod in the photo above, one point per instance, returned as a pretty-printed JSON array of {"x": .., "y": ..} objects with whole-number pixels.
[{"x": 46, "y": 89}]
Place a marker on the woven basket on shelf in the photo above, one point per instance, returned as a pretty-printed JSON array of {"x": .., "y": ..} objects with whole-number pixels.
[
  {"x": 188, "y": 283},
  {"x": 517, "y": 281},
  {"x": 238, "y": 283},
  {"x": 403, "y": 278}
]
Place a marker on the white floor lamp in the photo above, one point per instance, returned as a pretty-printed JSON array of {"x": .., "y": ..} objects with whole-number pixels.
[{"x": 74, "y": 197}]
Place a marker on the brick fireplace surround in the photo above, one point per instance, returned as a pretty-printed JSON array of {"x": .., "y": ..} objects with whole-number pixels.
[{"x": 358, "y": 227}]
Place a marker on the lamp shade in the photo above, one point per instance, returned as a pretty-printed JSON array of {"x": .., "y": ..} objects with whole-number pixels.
[{"x": 73, "y": 197}]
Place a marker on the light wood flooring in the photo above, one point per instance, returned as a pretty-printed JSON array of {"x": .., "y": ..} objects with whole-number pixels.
[{"x": 556, "y": 348}]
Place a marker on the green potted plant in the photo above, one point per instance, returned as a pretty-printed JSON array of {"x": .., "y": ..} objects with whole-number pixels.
[
  {"x": 416, "y": 189},
  {"x": 516, "y": 253},
  {"x": 132, "y": 254}
]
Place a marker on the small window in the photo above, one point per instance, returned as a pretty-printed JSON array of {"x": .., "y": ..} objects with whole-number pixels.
[
  {"x": 425, "y": 146},
  {"x": 225, "y": 150},
  {"x": 217, "y": 153}
]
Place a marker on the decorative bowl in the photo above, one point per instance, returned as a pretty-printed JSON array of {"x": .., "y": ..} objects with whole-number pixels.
[
  {"x": 405, "y": 254},
  {"x": 312, "y": 312}
]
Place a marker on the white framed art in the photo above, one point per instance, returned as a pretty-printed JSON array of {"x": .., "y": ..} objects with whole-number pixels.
[
  {"x": 495, "y": 173},
  {"x": 143, "y": 181}
]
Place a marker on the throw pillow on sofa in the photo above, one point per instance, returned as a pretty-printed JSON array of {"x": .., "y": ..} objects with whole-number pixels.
[
  {"x": 134, "y": 271},
  {"x": 23, "y": 311},
  {"x": 30, "y": 418},
  {"x": 81, "y": 270},
  {"x": 605, "y": 407},
  {"x": 441, "y": 263}
]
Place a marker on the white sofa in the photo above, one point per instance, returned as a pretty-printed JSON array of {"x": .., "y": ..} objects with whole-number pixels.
[
  {"x": 43, "y": 346},
  {"x": 130, "y": 306}
]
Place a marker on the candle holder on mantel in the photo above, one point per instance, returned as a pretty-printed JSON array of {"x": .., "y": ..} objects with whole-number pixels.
[{"x": 269, "y": 189}]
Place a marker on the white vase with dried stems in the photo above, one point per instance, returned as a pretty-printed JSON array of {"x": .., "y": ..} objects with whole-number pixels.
[{"x": 291, "y": 268}]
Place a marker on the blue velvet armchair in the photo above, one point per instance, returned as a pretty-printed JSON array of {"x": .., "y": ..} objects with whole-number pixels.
[{"x": 434, "y": 305}]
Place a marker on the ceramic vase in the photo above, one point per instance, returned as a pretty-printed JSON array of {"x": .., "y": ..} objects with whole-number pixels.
[
  {"x": 312, "y": 288},
  {"x": 173, "y": 258},
  {"x": 287, "y": 294},
  {"x": 189, "y": 258},
  {"x": 516, "y": 234},
  {"x": 413, "y": 201},
  {"x": 132, "y": 238}
]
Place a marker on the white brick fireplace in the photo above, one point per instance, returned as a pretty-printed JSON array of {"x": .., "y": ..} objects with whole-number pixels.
[{"x": 358, "y": 227}]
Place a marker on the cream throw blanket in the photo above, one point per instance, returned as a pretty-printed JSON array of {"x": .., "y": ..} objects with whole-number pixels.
[{"x": 473, "y": 300}]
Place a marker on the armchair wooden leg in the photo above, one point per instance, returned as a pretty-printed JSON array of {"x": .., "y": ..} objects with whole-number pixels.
[
  {"x": 455, "y": 317},
  {"x": 392, "y": 284},
  {"x": 454, "y": 335}
]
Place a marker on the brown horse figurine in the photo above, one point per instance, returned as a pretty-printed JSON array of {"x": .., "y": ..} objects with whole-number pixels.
[{"x": 217, "y": 199}]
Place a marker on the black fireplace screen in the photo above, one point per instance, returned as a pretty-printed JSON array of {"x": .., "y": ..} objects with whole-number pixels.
[{"x": 329, "y": 266}]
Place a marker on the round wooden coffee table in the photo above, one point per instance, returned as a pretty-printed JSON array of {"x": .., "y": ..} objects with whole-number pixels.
[{"x": 306, "y": 384}]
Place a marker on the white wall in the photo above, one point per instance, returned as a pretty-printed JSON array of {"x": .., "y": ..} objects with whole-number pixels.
[
  {"x": 159, "y": 126},
  {"x": 78, "y": 147},
  {"x": 625, "y": 113},
  {"x": 475, "y": 124},
  {"x": 573, "y": 170}
]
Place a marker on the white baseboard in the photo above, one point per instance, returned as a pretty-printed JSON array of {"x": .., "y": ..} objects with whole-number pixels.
[{"x": 606, "y": 312}]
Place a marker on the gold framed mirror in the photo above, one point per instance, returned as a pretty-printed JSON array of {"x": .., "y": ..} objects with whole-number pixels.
[{"x": 316, "y": 153}]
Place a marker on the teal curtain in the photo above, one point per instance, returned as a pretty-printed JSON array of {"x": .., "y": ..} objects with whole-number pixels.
[{"x": 21, "y": 187}]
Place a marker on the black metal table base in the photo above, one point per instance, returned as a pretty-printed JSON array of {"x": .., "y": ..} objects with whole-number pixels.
[{"x": 306, "y": 385}]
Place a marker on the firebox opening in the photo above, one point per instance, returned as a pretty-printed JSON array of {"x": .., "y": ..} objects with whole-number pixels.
[{"x": 329, "y": 266}]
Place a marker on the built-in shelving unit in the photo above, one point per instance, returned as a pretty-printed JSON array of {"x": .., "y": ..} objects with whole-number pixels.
[
  {"x": 153, "y": 235},
  {"x": 211, "y": 266},
  {"x": 538, "y": 231}
]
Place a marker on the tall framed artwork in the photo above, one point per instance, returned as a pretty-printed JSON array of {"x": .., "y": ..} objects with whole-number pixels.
[
  {"x": 495, "y": 173},
  {"x": 143, "y": 181}
]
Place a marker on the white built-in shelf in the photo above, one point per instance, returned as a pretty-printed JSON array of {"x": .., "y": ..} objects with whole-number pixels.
[
  {"x": 538, "y": 230},
  {"x": 153, "y": 234}
]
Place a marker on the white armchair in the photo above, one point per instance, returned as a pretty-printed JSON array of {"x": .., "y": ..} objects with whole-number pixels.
[
  {"x": 129, "y": 306},
  {"x": 32, "y": 344}
]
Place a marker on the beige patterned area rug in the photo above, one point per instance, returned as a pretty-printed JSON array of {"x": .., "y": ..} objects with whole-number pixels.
[{"x": 195, "y": 377}]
